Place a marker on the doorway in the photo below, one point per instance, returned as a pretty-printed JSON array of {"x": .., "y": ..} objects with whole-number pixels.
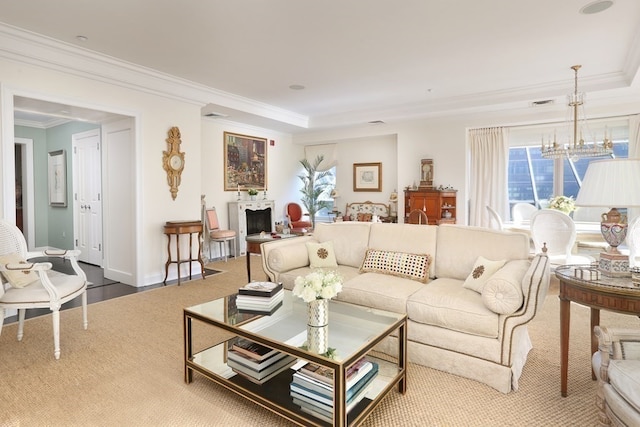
[
  {"x": 87, "y": 196},
  {"x": 119, "y": 245}
]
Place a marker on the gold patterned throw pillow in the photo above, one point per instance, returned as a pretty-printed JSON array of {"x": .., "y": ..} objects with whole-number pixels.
[
  {"x": 409, "y": 266},
  {"x": 322, "y": 255},
  {"x": 482, "y": 270}
]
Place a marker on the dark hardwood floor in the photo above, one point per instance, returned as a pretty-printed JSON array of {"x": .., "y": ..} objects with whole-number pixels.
[{"x": 100, "y": 288}]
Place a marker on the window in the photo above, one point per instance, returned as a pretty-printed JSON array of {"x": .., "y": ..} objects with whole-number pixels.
[{"x": 531, "y": 177}]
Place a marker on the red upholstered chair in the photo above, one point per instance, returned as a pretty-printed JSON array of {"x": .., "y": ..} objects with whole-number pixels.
[{"x": 294, "y": 215}]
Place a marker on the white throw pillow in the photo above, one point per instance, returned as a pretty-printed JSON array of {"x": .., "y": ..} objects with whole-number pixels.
[
  {"x": 503, "y": 293},
  {"x": 482, "y": 270},
  {"x": 17, "y": 278},
  {"x": 322, "y": 255}
]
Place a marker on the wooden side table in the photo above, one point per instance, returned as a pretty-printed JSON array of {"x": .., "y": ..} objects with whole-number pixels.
[
  {"x": 617, "y": 294},
  {"x": 177, "y": 228}
]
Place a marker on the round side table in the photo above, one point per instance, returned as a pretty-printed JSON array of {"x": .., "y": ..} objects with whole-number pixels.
[{"x": 178, "y": 228}]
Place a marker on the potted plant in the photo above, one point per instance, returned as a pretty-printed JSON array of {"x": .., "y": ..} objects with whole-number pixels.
[
  {"x": 313, "y": 185},
  {"x": 252, "y": 193}
]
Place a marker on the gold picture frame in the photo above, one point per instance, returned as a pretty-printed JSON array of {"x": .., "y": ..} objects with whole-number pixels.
[
  {"x": 245, "y": 162},
  {"x": 367, "y": 177}
]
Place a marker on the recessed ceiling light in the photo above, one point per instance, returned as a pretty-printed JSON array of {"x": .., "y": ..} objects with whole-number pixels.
[
  {"x": 596, "y": 7},
  {"x": 82, "y": 38},
  {"x": 296, "y": 87}
]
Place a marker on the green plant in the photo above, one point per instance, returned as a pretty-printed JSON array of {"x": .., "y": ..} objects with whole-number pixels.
[
  {"x": 252, "y": 192},
  {"x": 313, "y": 185}
]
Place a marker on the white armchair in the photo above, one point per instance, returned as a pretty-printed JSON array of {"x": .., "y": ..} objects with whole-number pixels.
[
  {"x": 25, "y": 285},
  {"x": 617, "y": 367}
]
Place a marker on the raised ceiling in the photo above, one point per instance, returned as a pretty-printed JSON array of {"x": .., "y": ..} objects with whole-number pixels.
[{"x": 359, "y": 60}]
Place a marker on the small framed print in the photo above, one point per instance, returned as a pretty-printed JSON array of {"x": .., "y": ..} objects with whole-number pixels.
[
  {"x": 57, "y": 171},
  {"x": 426, "y": 173},
  {"x": 367, "y": 177}
]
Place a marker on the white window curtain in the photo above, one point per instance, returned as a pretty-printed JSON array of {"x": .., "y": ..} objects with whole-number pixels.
[
  {"x": 489, "y": 148},
  {"x": 328, "y": 151},
  {"x": 634, "y": 153},
  {"x": 634, "y": 136}
]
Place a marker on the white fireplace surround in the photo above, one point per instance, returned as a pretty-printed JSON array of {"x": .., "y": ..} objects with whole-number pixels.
[{"x": 238, "y": 219}]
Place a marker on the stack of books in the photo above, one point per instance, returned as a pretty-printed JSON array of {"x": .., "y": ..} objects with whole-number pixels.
[
  {"x": 260, "y": 298},
  {"x": 312, "y": 387},
  {"x": 257, "y": 362}
]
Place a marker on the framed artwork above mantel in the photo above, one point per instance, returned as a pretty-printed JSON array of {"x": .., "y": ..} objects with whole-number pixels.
[{"x": 245, "y": 162}]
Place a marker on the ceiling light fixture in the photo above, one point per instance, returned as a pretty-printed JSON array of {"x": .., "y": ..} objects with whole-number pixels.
[
  {"x": 596, "y": 7},
  {"x": 296, "y": 87},
  {"x": 82, "y": 38},
  {"x": 576, "y": 148}
]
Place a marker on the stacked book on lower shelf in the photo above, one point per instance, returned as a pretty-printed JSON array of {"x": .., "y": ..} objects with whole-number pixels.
[
  {"x": 260, "y": 298},
  {"x": 312, "y": 387},
  {"x": 256, "y": 362}
]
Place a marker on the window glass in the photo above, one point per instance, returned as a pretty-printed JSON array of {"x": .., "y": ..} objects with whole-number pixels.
[{"x": 530, "y": 176}]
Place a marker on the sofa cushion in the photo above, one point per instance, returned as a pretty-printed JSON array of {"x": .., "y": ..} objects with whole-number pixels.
[
  {"x": 459, "y": 247},
  {"x": 447, "y": 304},
  {"x": 502, "y": 293},
  {"x": 624, "y": 377},
  {"x": 380, "y": 291},
  {"x": 410, "y": 266},
  {"x": 350, "y": 240},
  {"x": 482, "y": 270},
  {"x": 17, "y": 278},
  {"x": 321, "y": 255}
]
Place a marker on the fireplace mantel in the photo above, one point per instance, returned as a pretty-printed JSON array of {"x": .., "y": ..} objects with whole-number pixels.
[{"x": 238, "y": 219}]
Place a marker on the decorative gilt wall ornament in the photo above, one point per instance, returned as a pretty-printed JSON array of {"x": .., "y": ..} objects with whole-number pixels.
[{"x": 173, "y": 161}]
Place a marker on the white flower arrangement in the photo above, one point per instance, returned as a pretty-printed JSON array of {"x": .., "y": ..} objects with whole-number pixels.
[
  {"x": 563, "y": 204},
  {"x": 318, "y": 285},
  {"x": 252, "y": 192}
]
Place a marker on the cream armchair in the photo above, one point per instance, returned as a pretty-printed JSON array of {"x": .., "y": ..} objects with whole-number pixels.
[
  {"x": 617, "y": 367},
  {"x": 25, "y": 284}
]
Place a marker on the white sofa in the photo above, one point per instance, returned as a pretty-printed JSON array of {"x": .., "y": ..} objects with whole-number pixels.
[{"x": 450, "y": 327}]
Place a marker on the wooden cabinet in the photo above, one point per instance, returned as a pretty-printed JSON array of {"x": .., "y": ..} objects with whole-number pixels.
[{"x": 437, "y": 204}]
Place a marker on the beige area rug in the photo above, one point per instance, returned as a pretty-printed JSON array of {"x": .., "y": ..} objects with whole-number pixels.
[{"x": 127, "y": 370}]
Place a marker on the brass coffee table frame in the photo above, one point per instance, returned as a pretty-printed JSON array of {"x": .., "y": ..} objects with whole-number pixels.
[{"x": 271, "y": 395}]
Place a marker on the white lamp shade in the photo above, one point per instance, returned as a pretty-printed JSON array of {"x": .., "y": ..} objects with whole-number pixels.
[{"x": 611, "y": 183}]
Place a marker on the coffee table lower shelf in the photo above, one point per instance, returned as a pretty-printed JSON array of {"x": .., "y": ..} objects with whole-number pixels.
[{"x": 274, "y": 394}]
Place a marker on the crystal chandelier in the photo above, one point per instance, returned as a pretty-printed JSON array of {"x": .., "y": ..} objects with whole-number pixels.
[{"x": 577, "y": 147}]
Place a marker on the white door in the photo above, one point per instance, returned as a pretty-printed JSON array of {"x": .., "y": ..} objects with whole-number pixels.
[{"x": 87, "y": 199}]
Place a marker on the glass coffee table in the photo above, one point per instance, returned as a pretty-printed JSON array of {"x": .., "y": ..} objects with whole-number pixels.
[{"x": 353, "y": 332}]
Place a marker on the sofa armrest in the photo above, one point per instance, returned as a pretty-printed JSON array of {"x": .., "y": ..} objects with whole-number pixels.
[
  {"x": 283, "y": 255},
  {"x": 535, "y": 285}
]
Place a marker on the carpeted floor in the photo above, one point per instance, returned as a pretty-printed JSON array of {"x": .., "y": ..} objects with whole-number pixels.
[{"x": 127, "y": 370}]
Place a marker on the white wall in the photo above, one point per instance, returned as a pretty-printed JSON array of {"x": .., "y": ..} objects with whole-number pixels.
[
  {"x": 155, "y": 115},
  {"x": 282, "y": 167}
]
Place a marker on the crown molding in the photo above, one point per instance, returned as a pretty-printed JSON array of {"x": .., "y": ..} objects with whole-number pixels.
[{"x": 22, "y": 46}]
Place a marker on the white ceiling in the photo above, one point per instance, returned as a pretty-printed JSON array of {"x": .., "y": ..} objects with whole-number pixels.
[{"x": 359, "y": 60}]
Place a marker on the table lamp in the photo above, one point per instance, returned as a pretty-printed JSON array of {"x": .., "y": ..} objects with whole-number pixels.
[{"x": 612, "y": 183}]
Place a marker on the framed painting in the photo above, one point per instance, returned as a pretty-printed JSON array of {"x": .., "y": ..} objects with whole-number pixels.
[
  {"x": 245, "y": 162},
  {"x": 426, "y": 173},
  {"x": 57, "y": 175},
  {"x": 367, "y": 177}
]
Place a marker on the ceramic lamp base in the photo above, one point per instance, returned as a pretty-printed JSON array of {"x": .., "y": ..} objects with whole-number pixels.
[{"x": 614, "y": 265}]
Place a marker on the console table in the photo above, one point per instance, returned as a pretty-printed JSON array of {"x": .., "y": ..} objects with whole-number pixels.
[
  {"x": 607, "y": 293},
  {"x": 177, "y": 228}
]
